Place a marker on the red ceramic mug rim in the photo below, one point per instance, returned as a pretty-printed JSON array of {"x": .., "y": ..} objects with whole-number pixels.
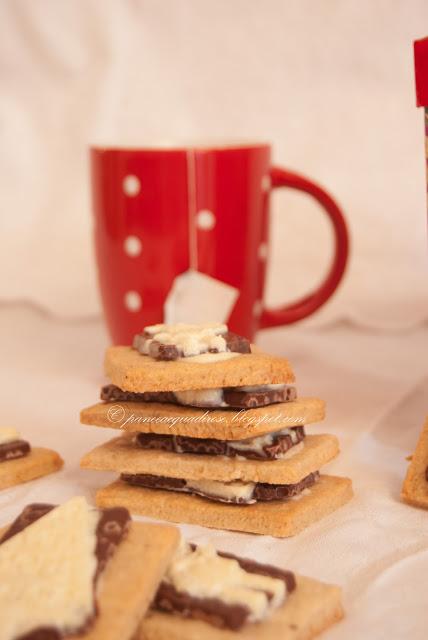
[{"x": 184, "y": 145}]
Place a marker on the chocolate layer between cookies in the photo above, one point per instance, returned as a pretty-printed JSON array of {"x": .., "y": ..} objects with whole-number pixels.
[
  {"x": 271, "y": 446},
  {"x": 14, "y": 449},
  {"x": 112, "y": 527},
  {"x": 227, "y": 609},
  {"x": 250, "y": 397},
  {"x": 235, "y": 492}
]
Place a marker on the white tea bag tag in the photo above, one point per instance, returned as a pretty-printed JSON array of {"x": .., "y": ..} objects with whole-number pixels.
[{"x": 196, "y": 297}]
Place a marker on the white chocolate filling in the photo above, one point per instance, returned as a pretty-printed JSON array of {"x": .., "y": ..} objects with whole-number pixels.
[
  {"x": 204, "y": 574},
  {"x": 204, "y": 397},
  {"x": 192, "y": 339},
  {"x": 257, "y": 444},
  {"x": 223, "y": 491},
  {"x": 215, "y": 397},
  {"x": 8, "y": 434},
  {"x": 47, "y": 572},
  {"x": 302, "y": 494}
]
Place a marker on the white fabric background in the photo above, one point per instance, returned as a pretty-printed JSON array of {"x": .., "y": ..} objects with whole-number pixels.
[{"x": 329, "y": 82}]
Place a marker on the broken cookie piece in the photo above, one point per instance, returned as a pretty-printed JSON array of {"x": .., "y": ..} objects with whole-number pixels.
[
  {"x": 63, "y": 567},
  {"x": 219, "y": 596},
  {"x": 19, "y": 462}
]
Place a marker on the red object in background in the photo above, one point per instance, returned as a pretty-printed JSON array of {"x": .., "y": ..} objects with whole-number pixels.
[
  {"x": 421, "y": 71},
  {"x": 157, "y": 211}
]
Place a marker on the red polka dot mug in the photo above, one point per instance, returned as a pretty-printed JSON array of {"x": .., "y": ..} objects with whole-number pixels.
[{"x": 182, "y": 234}]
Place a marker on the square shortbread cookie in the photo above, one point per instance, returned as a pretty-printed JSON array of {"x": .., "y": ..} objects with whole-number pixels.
[
  {"x": 124, "y": 456},
  {"x": 39, "y": 462},
  {"x": 223, "y": 424},
  {"x": 131, "y": 371},
  {"x": 277, "y": 518}
]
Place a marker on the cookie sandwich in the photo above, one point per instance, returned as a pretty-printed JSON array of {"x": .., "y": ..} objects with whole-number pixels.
[
  {"x": 73, "y": 571},
  {"x": 213, "y": 433},
  {"x": 20, "y": 462},
  {"x": 218, "y": 596}
]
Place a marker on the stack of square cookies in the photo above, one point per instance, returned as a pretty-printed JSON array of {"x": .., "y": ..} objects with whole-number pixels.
[{"x": 213, "y": 433}]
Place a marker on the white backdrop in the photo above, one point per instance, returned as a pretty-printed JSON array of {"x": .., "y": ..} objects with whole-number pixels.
[{"x": 329, "y": 82}]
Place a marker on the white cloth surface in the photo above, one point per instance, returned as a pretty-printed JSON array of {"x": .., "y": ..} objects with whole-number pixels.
[
  {"x": 375, "y": 388},
  {"x": 329, "y": 83}
]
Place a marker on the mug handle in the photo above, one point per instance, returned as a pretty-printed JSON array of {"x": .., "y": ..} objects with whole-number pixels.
[{"x": 308, "y": 304}]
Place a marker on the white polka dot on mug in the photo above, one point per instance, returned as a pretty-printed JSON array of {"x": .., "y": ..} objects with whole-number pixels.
[
  {"x": 131, "y": 185},
  {"x": 205, "y": 220},
  {"x": 133, "y": 301}
]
